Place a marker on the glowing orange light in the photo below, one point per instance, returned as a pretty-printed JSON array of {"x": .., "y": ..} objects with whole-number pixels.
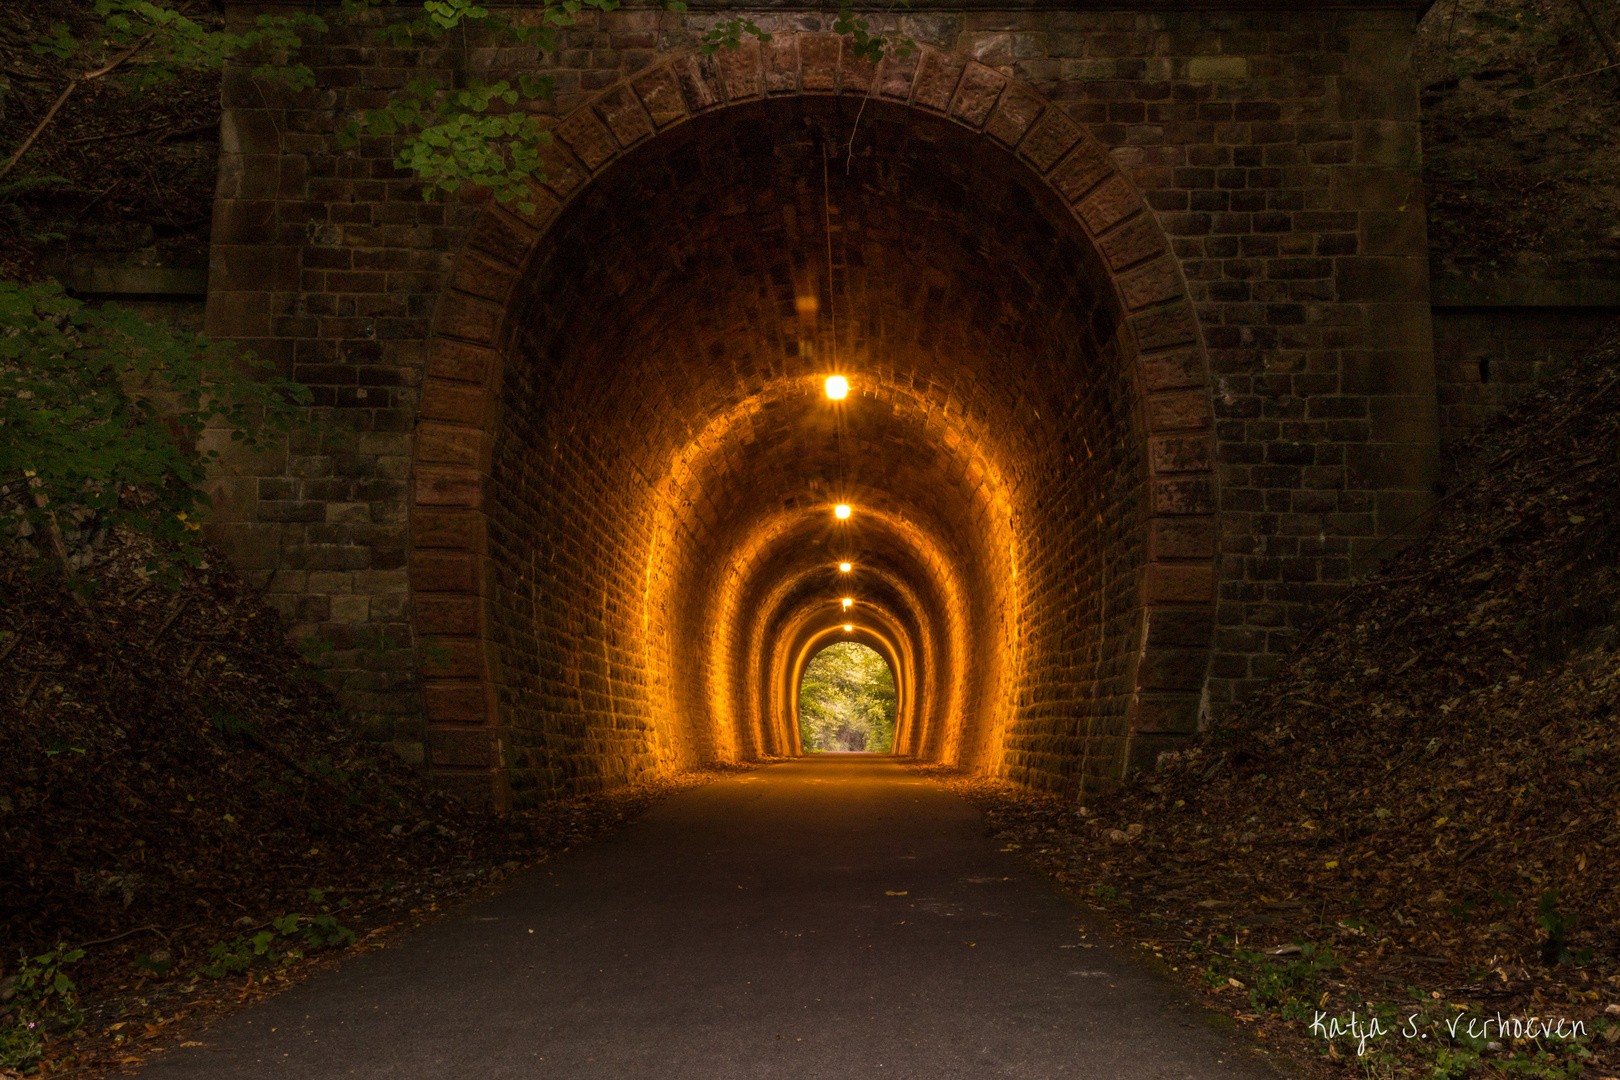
[
  {"x": 848, "y": 627},
  {"x": 841, "y": 511},
  {"x": 838, "y": 388},
  {"x": 848, "y": 603},
  {"x": 845, "y": 567}
]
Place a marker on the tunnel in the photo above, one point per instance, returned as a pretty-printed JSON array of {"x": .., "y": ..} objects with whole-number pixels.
[{"x": 659, "y": 465}]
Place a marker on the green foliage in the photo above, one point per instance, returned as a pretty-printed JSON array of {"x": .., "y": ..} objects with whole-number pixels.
[
  {"x": 269, "y": 946},
  {"x": 46, "y": 1000},
  {"x": 101, "y": 413},
  {"x": 167, "y": 42},
  {"x": 864, "y": 43},
  {"x": 465, "y": 131},
  {"x": 1555, "y": 949},
  {"x": 847, "y": 701}
]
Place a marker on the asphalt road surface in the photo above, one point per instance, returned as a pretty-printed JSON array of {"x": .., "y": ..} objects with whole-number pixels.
[{"x": 824, "y": 918}]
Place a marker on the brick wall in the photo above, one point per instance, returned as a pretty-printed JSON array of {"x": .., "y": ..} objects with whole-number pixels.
[{"x": 600, "y": 405}]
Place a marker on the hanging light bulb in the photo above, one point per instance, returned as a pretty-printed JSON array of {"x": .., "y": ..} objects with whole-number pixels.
[
  {"x": 841, "y": 511},
  {"x": 845, "y": 567},
  {"x": 848, "y": 627},
  {"x": 848, "y": 603},
  {"x": 838, "y": 388}
]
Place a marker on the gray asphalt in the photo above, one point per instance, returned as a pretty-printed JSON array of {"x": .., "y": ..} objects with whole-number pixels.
[{"x": 824, "y": 918}]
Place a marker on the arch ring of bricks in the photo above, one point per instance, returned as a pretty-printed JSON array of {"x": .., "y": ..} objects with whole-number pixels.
[{"x": 454, "y": 436}]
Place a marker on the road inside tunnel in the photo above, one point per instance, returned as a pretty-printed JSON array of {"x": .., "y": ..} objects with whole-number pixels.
[{"x": 828, "y": 917}]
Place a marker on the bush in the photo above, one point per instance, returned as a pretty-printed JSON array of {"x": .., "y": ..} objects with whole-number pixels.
[{"x": 102, "y": 413}]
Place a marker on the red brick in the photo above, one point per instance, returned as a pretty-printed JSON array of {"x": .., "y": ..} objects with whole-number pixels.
[
  {"x": 937, "y": 77},
  {"x": 1176, "y": 583},
  {"x": 977, "y": 94},
  {"x": 502, "y": 238},
  {"x": 448, "y": 485},
  {"x": 621, "y": 111},
  {"x": 1152, "y": 283},
  {"x": 1014, "y": 113},
  {"x": 1177, "y": 713},
  {"x": 781, "y": 55},
  {"x": 457, "y": 403},
  {"x": 1182, "y": 538},
  {"x": 1177, "y": 411},
  {"x": 444, "y": 444},
  {"x": 447, "y": 527},
  {"x": 443, "y": 572},
  {"x": 1110, "y": 203},
  {"x": 1172, "y": 669},
  {"x": 1172, "y": 370},
  {"x": 660, "y": 94},
  {"x": 451, "y": 704},
  {"x": 818, "y": 62},
  {"x": 1137, "y": 239},
  {"x": 1180, "y": 453},
  {"x": 1184, "y": 495},
  {"x": 461, "y": 362},
  {"x": 453, "y": 658},
  {"x": 1086, "y": 167},
  {"x": 699, "y": 77},
  {"x": 445, "y": 613},
  {"x": 588, "y": 138},
  {"x": 482, "y": 278},
  {"x": 467, "y": 318},
  {"x": 1050, "y": 138}
]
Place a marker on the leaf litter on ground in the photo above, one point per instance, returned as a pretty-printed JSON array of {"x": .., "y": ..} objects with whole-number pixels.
[
  {"x": 178, "y": 778},
  {"x": 1419, "y": 813}
]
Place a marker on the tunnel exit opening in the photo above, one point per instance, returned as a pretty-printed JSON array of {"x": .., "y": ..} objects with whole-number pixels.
[{"x": 848, "y": 701}]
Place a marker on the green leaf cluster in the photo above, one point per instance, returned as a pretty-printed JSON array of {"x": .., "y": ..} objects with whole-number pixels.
[
  {"x": 847, "y": 701},
  {"x": 102, "y": 414},
  {"x": 305, "y": 933},
  {"x": 164, "y": 42},
  {"x": 44, "y": 999}
]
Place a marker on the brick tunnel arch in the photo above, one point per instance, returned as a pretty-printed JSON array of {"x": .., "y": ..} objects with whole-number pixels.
[{"x": 624, "y": 467}]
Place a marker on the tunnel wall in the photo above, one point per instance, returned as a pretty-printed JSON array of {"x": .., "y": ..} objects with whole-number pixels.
[{"x": 1272, "y": 152}]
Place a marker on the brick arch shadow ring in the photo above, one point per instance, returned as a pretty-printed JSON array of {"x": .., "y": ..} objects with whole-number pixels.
[{"x": 1031, "y": 401}]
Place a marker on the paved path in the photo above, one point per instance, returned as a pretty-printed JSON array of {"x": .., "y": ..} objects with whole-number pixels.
[{"x": 827, "y": 918}]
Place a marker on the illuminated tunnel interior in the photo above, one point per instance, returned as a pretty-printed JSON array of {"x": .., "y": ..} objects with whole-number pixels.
[{"x": 666, "y": 462}]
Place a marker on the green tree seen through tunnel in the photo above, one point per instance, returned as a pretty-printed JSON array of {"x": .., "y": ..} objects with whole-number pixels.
[{"x": 847, "y": 701}]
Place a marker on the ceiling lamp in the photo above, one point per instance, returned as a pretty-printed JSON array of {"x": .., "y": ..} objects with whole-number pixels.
[
  {"x": 845, "y": 567},
  {"x": 837, "y": 387},
  {"x": 841, "y": 511}
]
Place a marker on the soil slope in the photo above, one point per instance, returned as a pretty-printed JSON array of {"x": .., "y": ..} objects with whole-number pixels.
[{"x": 1424, "y": 803}]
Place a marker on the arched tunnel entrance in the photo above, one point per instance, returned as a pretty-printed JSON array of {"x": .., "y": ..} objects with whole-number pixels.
[{"x": 649, "y": 552}]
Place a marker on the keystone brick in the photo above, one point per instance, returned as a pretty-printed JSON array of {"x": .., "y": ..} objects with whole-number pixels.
[{"x": 818, "y": 62}]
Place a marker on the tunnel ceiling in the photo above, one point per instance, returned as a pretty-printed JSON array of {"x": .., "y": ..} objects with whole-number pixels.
[{"x": 661, "y": 538}]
